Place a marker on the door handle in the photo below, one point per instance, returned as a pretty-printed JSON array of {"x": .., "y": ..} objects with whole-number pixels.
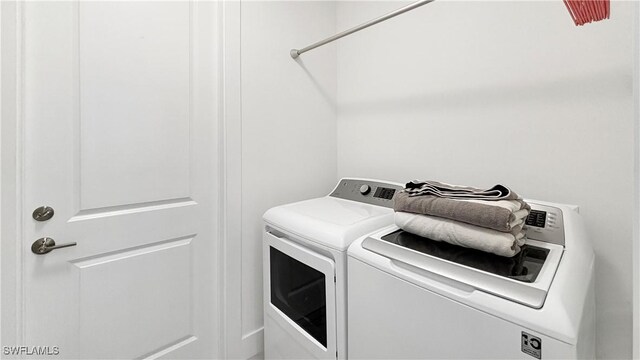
[{"x": 46, "y": 244}]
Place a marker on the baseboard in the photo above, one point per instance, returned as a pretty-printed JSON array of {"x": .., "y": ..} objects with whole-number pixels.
[{"x": 253, "y": 344}]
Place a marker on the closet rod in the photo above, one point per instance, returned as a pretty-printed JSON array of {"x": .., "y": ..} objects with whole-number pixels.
[{"x": 295, "y": 52}]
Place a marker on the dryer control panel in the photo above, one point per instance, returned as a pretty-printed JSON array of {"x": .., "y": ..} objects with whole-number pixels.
[
  {"x": 545, "y": 223},
  {"x": 367, "y": 191}
]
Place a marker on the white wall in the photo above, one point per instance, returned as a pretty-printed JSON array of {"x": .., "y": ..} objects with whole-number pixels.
[
  {"x": 636, "y": 195},
  {"x": 485, "y": 92},
  {"x": 288, "y": 125}
]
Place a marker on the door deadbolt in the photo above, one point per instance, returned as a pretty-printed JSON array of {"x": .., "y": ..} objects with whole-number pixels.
[
  {"x": 45, "y": 245},
  {"x": 43, "y": 213}
]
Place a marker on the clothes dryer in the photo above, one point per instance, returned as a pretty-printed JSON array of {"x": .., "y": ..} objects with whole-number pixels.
[{"x": 305, "y": 261}]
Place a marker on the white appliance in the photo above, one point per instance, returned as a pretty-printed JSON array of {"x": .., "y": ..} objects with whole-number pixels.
[
  {"x": 413, "y": 298},
  {"x": 305, "y": 261}
]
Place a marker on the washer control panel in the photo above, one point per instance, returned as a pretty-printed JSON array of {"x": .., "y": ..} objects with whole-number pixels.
[
  {"x": 367, "y": 191},
  {"x": 545, "y": 223}
]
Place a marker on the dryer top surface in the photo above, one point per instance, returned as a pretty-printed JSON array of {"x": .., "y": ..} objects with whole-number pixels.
[{"x": 328, "y": 220}]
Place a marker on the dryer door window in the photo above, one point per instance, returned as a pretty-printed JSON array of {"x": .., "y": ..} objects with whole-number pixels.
[
  {"x": 300, "y": 297},
  {"x": 299, "y": 291}
]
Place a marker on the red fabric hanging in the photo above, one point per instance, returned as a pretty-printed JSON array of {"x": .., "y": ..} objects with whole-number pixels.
[{"x": 586, "y": 11}]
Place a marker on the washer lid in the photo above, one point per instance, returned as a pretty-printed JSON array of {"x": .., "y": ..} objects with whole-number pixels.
[
  {"x": 330, "y": 221},
  {"x": 504, "y": 277},
  {"x": 524, "y": 266}
]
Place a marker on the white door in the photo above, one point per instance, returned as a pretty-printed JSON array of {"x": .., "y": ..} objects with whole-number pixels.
[{"x": 120, "y": 131}]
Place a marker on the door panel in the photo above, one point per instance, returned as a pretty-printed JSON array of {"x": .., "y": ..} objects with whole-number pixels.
[
  {"x": 134, "y": 118},
  {"x": 157, "y": 277},
  {"x": 120, "y": 119}
]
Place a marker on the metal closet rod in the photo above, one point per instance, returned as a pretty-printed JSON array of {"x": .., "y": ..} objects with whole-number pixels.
[{"x": 295, "y": 52}]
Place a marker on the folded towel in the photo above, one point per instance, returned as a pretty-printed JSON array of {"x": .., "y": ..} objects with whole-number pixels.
[
  {"x": 498, "y": 192},
  {"x": 500, "y": 215},
  {"x": 457, "y": 233}
]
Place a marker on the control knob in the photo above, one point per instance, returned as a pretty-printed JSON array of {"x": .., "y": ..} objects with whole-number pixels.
[{"x": 365, "y": 189}]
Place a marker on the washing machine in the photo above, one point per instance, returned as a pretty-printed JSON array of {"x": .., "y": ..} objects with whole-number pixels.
[
  {"x": 305, "y": 266},
  {"x": 413, "y": 298}
]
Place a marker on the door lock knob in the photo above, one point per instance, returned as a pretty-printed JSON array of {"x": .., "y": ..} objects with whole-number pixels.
[{"x": 43, "y": 213}]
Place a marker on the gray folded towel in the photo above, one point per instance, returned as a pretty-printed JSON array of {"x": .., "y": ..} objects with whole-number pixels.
[
  {"x": 428, "y": 187},
  {"x": 457, "y": 233},
  {"x": 500, "y": 215}
]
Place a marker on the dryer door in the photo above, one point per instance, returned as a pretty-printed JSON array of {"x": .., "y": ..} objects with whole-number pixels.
[{"x": 300, "y": 305}]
